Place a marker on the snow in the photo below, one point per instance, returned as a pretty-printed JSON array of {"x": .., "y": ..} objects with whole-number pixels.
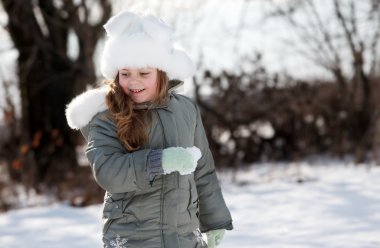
[
  {"x": 334, "y": 207},
  {"x": 320, "y": 204},
  {"x": 54, "y": 226}
]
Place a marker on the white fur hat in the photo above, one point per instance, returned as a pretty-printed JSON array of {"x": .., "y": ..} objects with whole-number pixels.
[{"x": 137, "y": 40}]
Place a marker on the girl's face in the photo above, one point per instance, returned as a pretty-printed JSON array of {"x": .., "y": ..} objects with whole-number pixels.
[{"x": 139, "y": 83}]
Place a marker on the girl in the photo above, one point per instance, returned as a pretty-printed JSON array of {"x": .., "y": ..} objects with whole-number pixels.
[{"x": 146, "y": 145}]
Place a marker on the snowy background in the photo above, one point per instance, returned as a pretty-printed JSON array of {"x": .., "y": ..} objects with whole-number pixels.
[{"x": 322, "y": 203}]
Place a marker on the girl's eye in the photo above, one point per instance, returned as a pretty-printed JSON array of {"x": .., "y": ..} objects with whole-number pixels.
[
  {"x": 144, "y": 73},
  {"x": 125, "y": 74}
]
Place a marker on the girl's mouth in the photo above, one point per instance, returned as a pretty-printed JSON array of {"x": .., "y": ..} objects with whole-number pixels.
[{"x": 136, "y": 91}]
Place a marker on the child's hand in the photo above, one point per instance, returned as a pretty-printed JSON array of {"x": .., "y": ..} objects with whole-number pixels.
[
  {"x": 183, "y": 160},
  {"x": 214, "y": 237}
]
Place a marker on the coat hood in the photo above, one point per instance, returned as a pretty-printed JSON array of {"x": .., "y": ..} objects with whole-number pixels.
[
  {"x": 81, "y": 110},
  {"x": 85, "y": 106}
]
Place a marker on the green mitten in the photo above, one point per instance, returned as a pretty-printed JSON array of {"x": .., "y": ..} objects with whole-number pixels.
[
  {"x": 183, "y": 160},
  {"x": 214, "y": 237}
]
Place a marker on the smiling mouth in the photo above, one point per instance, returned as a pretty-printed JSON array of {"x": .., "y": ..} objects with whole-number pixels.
[{"x": 136, "y": 91}]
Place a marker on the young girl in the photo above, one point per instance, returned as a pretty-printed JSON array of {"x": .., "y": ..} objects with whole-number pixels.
[{"x": 146, "y": 145}]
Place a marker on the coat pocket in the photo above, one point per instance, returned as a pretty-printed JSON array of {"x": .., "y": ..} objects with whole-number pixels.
[{"x": 111, "y": 211}]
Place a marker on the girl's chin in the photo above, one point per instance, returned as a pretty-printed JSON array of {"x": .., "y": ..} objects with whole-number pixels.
[{"x": 139, "y": 99}]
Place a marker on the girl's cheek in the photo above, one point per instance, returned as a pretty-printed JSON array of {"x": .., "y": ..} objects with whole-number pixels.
[
  {"x": 123, "y": 83},
  {"x": 153, "y": 82}
]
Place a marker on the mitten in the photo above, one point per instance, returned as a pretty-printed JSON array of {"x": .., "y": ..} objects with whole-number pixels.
[
  {"x": 214, "y": 237},
  {"x": 183, "y": 160}
]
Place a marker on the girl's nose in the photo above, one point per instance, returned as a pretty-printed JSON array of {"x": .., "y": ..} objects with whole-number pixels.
[{"x": 134, "y": 79}]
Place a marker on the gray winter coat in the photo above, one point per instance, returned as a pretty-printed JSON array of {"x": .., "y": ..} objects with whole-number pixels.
[{"x": 170, "y": 211}]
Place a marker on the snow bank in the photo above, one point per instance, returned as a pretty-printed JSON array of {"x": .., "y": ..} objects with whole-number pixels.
[{"x": 334, "y": 206}]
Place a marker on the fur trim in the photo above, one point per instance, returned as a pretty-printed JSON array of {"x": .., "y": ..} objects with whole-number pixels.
[
  {"x": 81, "y": 110},
  {"x": 140, "y": 41},
  {"x": 84, "y": 107}
]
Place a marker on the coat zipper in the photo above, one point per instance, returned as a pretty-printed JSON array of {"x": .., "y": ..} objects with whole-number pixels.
[{"x": 162, "y": 189}]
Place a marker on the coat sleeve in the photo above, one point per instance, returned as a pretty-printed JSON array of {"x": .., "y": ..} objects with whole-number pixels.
[
  {"x": 213, "y": 212},
  {"x": 114, "y": 169}
]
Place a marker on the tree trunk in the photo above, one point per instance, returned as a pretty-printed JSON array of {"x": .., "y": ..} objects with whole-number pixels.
[{"x": 49, "y": 78}]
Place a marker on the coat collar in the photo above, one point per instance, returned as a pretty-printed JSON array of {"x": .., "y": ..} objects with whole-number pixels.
[
  {"x": 84, "y": 107},
  {"x": 173, "y": 85}
]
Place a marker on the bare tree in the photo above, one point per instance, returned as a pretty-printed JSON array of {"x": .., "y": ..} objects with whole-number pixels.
[
  {"x": 231, "y": 110},
  {"x": 49, "y": 75},
  {"x": 338, "y": 42}
]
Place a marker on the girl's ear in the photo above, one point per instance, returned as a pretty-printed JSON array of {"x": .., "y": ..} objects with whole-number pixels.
[
  {"x": 157, "y": 29},
  {"x": 125, "y": 22}
]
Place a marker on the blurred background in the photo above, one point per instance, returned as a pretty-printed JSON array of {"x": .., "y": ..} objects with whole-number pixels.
[{"x": 278, "y": 82}]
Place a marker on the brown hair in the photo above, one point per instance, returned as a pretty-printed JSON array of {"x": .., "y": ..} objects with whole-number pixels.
[{"x": 133, "y": 123}]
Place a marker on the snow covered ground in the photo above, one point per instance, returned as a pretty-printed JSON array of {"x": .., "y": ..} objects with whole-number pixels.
[{"x": 274, "y": 206}]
